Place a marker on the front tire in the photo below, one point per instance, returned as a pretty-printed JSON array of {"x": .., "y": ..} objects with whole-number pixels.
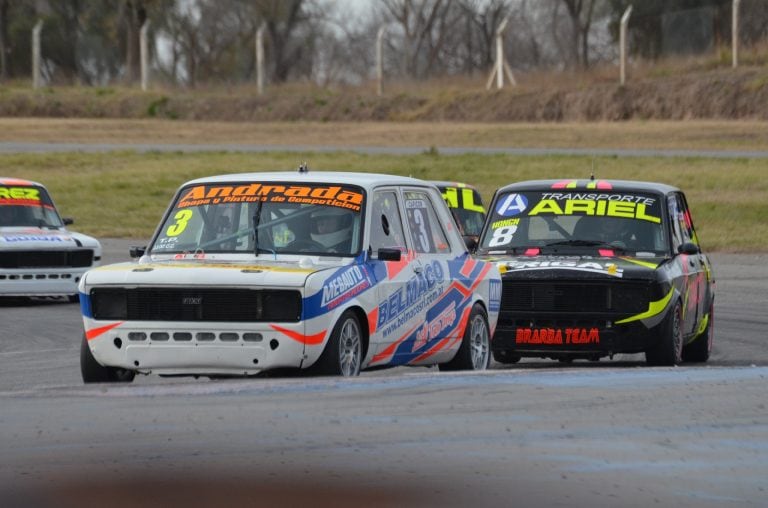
[
  {"x": 669, "y": 349},
  {"x": 699, "y": 350},
  {"x": 344, "y": 352},
  {"x": 505, "y": 357},
  {"x": 93, "y": 372},
  {"x": 475, "y": 350}
]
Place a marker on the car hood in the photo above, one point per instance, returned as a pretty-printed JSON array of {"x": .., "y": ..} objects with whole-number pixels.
[
  {"x": 26, "y": 238},
  {"x": 205, "y": 273},
  {"x": 577, "y": 267}
]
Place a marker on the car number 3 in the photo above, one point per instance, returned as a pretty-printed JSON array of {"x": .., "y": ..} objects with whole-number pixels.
[{"x": 182, "y": 217}]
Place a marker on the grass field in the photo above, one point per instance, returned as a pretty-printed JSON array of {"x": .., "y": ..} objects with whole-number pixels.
[
  {"x": 690, "y": 135},
  {"x": 123, "y": 194}
]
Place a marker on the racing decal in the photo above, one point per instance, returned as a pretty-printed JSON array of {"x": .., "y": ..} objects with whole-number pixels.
[
  {"x": 418, "y": 292},
  {"x": 19, "y": 196},
  {"x": 503, "y": 232},
  {"x": 341, "y": 286},
  {"x": 309, "y": 340},
  {"x": 464, "y": 198},
  {"x": 613, "y": 205},
  {"x": 34, "y": 238},
  {"x": 182, "y": 218},
  {"x": 421, "y": 230},
  {"x": 450, "y": 341},
  {"x": 654, "y": 308},
  {"x": 95, "y": 332},
  {"x": 591, "y": 184},
  {"x": 395, "y": 267},
  {"x": 646, "y": 264},
  {"x": 433, "y": 328},
  {"x": 494, "y": 300},
  {"x": 557, "y": 336},
  {"x": 512, "y": 204},
  {"x": 445, "y": 320},
  {"x": 332, "y": 195},
  {"x": 582, "y": 266}
]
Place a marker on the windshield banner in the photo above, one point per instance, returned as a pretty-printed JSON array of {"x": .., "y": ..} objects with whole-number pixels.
[{"x": 331, "y": 195}]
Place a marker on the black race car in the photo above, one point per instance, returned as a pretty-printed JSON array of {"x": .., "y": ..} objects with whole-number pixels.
[{"x": 592, "y": 268}]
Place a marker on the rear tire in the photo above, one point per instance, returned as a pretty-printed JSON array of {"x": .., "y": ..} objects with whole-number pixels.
[
  {"x": 699, "y": 350},
  {"x": 669, "y": 349},
  {"x": 475, "y": 350},
  {"x": 93, "y": 372},
  {"x": 344, "y": 352}
]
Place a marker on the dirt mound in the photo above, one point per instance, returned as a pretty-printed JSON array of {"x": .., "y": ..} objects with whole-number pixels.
[{"x": 720, "y": 94}]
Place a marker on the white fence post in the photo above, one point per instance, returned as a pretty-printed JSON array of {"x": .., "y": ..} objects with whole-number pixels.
[
  {"x": 260, "y": 59},
  {"x": 623, "y": 45},
  {"x": 735, "y": 33},
  {"x": 500, "y": 67},
  {"x": 379, "y": 62},
  {"x": 144, "y": 55},
  {"x": 36, "y": 60}
]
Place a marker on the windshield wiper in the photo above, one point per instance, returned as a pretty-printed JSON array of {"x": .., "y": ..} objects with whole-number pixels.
[{"x": 586, "y": 243}]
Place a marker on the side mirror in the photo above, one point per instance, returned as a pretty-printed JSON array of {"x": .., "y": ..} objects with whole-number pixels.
[
  {"x": 689, "y": 248},
  {"x": 389, "y": 254},
  {"x": 137, "y": 252},
  {"x": 471, "y": 243},
  {"x": 67, "y": 220}
]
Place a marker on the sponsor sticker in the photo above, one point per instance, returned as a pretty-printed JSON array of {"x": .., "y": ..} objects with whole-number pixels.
[
  {"x": 557, "y": 336},
  {"x": 332, "y": 195},
  {"x": 512, "y": 204}
]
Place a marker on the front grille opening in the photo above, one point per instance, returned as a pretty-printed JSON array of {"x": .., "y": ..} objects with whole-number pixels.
[
  {"x": 197, "y": 304},
  {"x": 159, "y": 336},
  {"x": 205, "y": 336},
  {"x": 47, "y": 259},
  {"x": 137, "y": 336},
  {"x": 570, "y": 297},
  {"x": 229, "y": 337},
  {"x": 182, "y": 336}
]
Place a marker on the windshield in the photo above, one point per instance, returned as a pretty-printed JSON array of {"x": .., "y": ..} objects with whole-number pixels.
[
  {"x": 27, "y": 206},
  {"x": 466, "y": 205},
  {"x": 624, "y": 222},
  {"x": 290, "y": 219}
]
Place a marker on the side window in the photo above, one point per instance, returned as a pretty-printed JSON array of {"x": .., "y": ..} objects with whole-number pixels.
[
  {"x": 687, "y": 223},
  {"x": 386, "y": 223},
  {"x": 674, "y": 222},
  {"x": 426, "y": 234}
]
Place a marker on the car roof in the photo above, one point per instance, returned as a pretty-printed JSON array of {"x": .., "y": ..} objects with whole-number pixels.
[
  {"x": 589, "y": 185},
  {"x": 5, "y": 180},
  {"x": 365, "y": 180}
]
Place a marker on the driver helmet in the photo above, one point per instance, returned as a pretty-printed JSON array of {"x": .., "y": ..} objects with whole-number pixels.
[{"x": 331, "y": 226}]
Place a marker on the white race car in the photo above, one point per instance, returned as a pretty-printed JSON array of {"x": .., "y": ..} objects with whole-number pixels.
[
  {"x": 329, "y": 272},
  {"x": 38, "y": 255}
]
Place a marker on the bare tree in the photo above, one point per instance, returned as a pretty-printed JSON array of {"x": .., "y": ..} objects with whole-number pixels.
[
  {"x": 580, "y": 13},
  {"x": 426, "y": 26}
]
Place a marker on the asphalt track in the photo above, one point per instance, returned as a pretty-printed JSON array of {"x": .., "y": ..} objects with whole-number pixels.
[{"x": 612, "y": 433}]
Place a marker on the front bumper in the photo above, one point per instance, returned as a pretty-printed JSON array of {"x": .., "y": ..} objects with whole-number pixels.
[
  {"x": 194, "y": 348},
  {"x": 40, "y": 281}
]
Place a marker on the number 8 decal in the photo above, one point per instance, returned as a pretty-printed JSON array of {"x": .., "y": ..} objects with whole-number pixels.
[{"x": 502, "y": 236}]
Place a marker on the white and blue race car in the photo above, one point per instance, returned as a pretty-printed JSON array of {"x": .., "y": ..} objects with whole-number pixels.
[
  {"x": 333, "y": 273},
  {"x": 39, "y": 257}
]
